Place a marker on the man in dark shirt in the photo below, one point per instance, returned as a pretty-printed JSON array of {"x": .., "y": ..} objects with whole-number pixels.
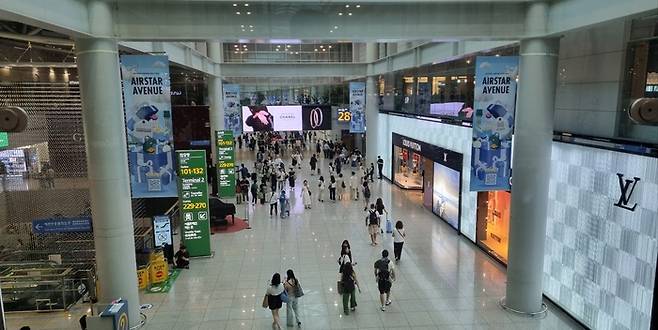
[
  {"x": 182, "y": 258},
  {"x": 380, "y": 166}
]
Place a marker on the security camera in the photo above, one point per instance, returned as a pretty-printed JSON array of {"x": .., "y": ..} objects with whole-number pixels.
[
  {"x": 12, "y": 119},
  {"x": 644, "y": 111}
]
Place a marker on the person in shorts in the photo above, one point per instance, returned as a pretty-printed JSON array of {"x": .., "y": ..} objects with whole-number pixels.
[
  {"x": 372, "y": 221},
  {"x": 385, "y": 275}
]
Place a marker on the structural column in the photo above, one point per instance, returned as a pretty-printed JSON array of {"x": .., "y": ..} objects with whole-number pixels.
[
  {"x": 372, "y": 106},
  {"x": 215, "y": 97},
  {"x": 107, "y": 168},
  {"x": 533, "y": 137}
]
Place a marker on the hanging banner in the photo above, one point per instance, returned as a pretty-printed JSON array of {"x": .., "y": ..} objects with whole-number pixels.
[
  {"x": 357, "y": 107},
  {"x": 493, "y": 122},
  {"x": 193, "y": 201},
  {"x": 232, "y": 109},
  {"x": 147, "y": 100},
  {"x": 225, "y": 163}
]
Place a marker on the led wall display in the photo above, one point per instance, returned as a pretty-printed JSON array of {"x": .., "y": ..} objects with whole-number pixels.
[
  {"x": 446, "y": 194},
  {"x": 600, "y": 259},
  {"x": 281, "y": 118}
]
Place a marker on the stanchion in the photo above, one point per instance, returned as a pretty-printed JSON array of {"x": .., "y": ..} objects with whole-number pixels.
[{"x": 246, "y": 215}]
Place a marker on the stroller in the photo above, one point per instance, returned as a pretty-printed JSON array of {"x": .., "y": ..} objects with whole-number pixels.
[{"x": 284, "y": 205}]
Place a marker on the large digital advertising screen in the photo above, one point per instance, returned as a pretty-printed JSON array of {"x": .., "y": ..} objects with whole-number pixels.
[
  {"x": 445, "y": 195},
  {"x": 279, "y": 118}
]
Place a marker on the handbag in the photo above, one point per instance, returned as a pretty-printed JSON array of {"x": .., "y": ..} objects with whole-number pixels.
[
  {"x": 265, "y": 302},
  {"x": 299, "y": 292},
  {"x": 339, "y": 287},
  {"x": 284, "y": 296}
]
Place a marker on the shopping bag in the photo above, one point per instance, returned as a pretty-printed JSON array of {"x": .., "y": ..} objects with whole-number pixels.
[
  {"x": 339, "y": 287},
  {"x": 265, "y": 302}
]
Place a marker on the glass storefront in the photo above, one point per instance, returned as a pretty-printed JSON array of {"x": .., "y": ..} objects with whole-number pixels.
[
  {"x": 408, "y": 166},
  {"x": 492, "y": 229},
  {"x": 434, "y": 170}
]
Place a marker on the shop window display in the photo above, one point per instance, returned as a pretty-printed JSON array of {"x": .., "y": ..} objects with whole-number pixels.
[
  {"x": 493, "y": 217},
  {"x": 408, "y": 168},
  {"x": 446, "y": 194}
]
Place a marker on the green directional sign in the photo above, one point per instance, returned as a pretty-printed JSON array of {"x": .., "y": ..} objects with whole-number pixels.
[
  {"x": 193, "y": 201},
  {"x": 4, "y": 139},
  {"x": 225, "y": 163}
]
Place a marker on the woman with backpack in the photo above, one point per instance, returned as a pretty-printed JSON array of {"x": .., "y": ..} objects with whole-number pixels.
[
  {"x": 349, "y": 283},
  {"x": 275, "y": 296},
  {"x": 294, "y": 290}
]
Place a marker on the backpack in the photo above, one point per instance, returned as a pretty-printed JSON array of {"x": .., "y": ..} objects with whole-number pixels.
[
  {"x": 384, "y": 273},
  {"x": 342, "y": 184},
  {"x": 348, "y": 283},
  {"x": 373, "y": 218},
  {"x": 366, "y": 192}
]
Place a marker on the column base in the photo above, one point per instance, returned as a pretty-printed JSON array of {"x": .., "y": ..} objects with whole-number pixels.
[{"x": 541, "y": 313}]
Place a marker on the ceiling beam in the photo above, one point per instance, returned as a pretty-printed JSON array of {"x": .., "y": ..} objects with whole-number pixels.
[
  {"x": 399, "y": 21},
  {"x": 68, "y": 17}
]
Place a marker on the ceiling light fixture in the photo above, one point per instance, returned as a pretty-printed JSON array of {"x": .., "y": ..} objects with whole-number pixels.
[
  {"x": 235, "y": 5},
  {"x": 335, "y": 27},
  {"x": 340, "y": 14},
  {"x": 316, "y": 49},
  {"x": 349, "y": 14},
  {"x": 347, "y": 6},
  {"x": 358, "y": 6},
  {"x": 246, "y": 5},
  {"x": 248, "y": 13},
  {"x": 237, "y": 13}
]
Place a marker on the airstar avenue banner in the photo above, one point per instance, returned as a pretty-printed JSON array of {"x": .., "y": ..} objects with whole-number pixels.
[
  {"x": 493, "y": 123},
  {"x": 147, "y": 101},
  {"x": 357, "y": 107}
]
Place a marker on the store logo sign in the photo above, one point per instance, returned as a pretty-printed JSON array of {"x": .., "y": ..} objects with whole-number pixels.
[
  {"x": 626, "y": 187},
  {"x": 316, "y": 118},
  {"x": 411, "y": 145}
]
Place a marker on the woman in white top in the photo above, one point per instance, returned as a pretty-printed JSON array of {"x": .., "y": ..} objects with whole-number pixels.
[
  {"x": 306, "y": 195},
  {"x": 398, "y": 239},
  {"x": 274, "y": 200},
  {"x": 274, "y": 301},
  {"x": 321, "y": 188}
]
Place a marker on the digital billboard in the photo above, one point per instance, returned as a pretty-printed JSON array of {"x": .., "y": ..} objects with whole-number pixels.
[
  {"x": 261, "y": 118},
  {"x": 445, "y": 196}
]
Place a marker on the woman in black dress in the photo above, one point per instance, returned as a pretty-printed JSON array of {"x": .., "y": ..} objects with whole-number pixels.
[{"x": 274, "y": 302}]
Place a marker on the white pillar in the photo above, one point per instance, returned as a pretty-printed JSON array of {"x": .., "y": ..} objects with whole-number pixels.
[
  {"x": 372, "y": 106},
  {"x": 215, "y": 97},
  {"x": 107, "y": 162},
  {"x": 533, "y": 136}
]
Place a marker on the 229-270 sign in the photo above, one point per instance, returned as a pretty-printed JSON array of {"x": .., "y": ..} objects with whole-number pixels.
[{"x": 344, "y": 115}]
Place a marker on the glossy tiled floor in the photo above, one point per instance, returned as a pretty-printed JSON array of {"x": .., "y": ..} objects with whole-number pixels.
[{"x": 444, "y": 280}]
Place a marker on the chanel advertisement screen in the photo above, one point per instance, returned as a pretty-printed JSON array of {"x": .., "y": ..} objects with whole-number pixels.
[{"x": 285, "y": 118}]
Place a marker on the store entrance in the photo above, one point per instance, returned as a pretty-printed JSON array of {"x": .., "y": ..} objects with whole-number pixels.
[
  {"x": 408, "y": 170},
  {"x": 492, "y": 230}
]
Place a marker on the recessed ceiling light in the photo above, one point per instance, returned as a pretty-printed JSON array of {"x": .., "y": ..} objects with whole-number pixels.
[
  {"x": 347, "y": 6},
  {"x": 335, "y": 27},
  {"x": 331, "y": 31},
  {"x": 235, "y": 5},
  {"x": 245, "y": 46},
  {"x": 251, "y": 26},
  {"x": 237, "y": 13},
  {"x": 236, "y": 46},
  {"x": 349, "y": 14},
  {"x": 297, "y": 53},
  {"x": 329, "y": 46},
  {"x": 252, "y": 30},
  {"x": 246, "y": 5},
  {"x": 340, "y": 14},
  {"x": 248, "y": 13},
  {"x": 321, "y": 46},
  {"x": 358, "y": 6},
  {"x": 316, "y": 49},
  {"x": 287, "y": 46}
]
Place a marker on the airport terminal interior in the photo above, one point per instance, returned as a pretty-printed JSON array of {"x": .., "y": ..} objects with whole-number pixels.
[{"x": 373, "y": 164}]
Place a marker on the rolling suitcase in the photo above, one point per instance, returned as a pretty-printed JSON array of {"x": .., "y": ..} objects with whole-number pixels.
[{"x": 389, "y": 226}]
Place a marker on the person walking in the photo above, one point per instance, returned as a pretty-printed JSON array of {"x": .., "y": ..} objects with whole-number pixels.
[
  {"x": 371, "y": 172},
  {"x": 366, "y": 194},
  {"x": 254, "y": 192},
  {"x": 306, "y": 195},
  {"x": 398, "y": 240},
  {"x": 274, "y": 299},
  {"x": 281, "y": 177},
  {"x": 294, "y": 291},
  {"x": 380, "y": 166},
  {"x": 321, "y": 188},
  {"x": 372, "y": 222},
  {"x": 350, "y": 283},
  {"x": 345, "y": 256},
  {"x": 341, "y": 187},
  {"x": 384, "y": 275},
  {"x": 354, "y": 186},
  {"x": 381, "y": 209},
  {"x": 313, "y": 162},
  {"x": 291, "y": 178},
  {"x": 332, "y": 188},
  {"x": 274, "y": 199}
]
